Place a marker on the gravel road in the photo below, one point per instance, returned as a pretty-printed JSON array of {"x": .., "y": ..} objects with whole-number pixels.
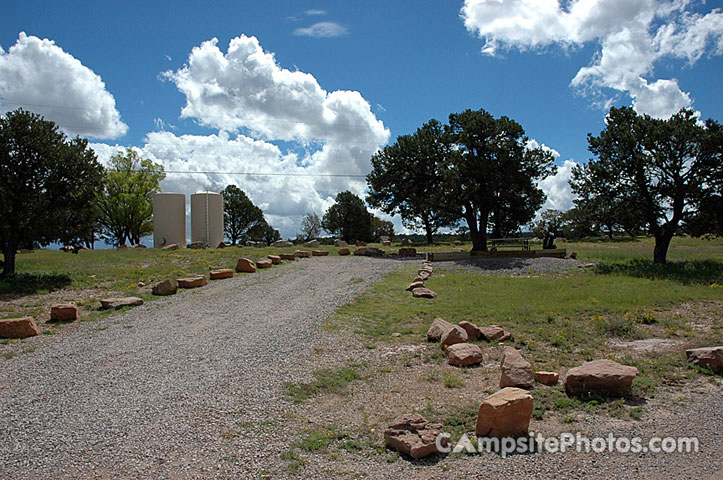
[{"x": 154, "y": 394}]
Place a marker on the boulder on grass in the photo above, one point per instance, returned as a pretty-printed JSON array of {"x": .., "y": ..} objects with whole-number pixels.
[
  {"x": 453, "y": 335},
  {"x": 275, "y": 259},
  {"x": 282, "y": 243},
  {"x": 547, "y": 378},
  {"x": 369, "y": 252},
  {"x": 63, "y": 312},
  {"x": 407, "y": 252},
  {"x": 438, "y": 328},
  {"x": 221, "y": 274},
  {"x": 245, "y": 265},
  {"x": 319, "y": 253},
  {"x": 413, "y": 435},
  {"x": 340, "y": 243},
  {"x": 415, "y": 284},
  {"x": 344, "y": 251},
  {"x": 493, "y": 332},
  {"x": 505, "y": 413},
  {"x": 302, "y": 253},
  {"x": 312, "y": 243},
  {"x": 464, "y": 355},
  {"x": 600, "y": 376},
  {"x": 424, "y": 274},
  {"x": 197, "y": 245},
  {"x": 166, "y": 287},
  {"x": 192, "y": 282},
  {"x": 359, "y": 243},
  {"x": 18, "y": 328},
  {"x": 473, "y": 331},
  {"x": 116, "y": 303},
  {"x": 405, "y": 242},
  {"x": 287, "y": 256},
  {"x": 708, "y": 357},
  {"x": 422, "y": 292},
  {"x": 516, "y": 371},
  {"x": 264, "y": 263}
]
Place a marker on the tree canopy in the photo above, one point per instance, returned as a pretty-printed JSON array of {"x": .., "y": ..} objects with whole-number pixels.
[
  {"x": 47, "y": 184},
  {"x": 242, "y": 219},
  {"x": 348, "y": 218},
  {"x": 491, "y": 174},
  {"x": 670, "y": 171},
  {"x": 310, "y": 227},
  {"x": 125, "y": 206},
  {"x": 406, "y": 179}
]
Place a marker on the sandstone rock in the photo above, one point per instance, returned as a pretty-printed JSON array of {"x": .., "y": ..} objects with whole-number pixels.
[
  {"x": 312, "y": 243},
  {"x": 275, "y": 259},
  {"x": 18, "y": 328},
  {"x": 413, "y": 435},
  {"x": 415, "y": 284},
  {"x": 359, "y": 243},
  {"x": 221, "y": 274},
  {"x": 516, "y": 371},
  {"x": 505, "y": 413},
  {"x": 709, "y": 357},
  {"x": 116, "y": 303},
  {"x": 172, "y": 246},
  {"x": 245, "y": 265},
  {"x": 418, "y": 279},
  {"x": 405, "y": 242},
  {"x": 302, "y": 253},
  {"x": 547, "y": 378},
  {"x": 454, "y": 335},
  {"x": 423, "y": 274},
  {"x": 423, "y": 292},
  {"x": 464, "y": 355},
  {"x": 319, "y": 253},
  {"x": 344, "y": 251},
  {"x": 473, "y": 331},
  {"x": 408, "y": 252},
  {"x": 192, "y": 282},
  {"x": 387, "y": 243},
  {"x": 340, "y": 243},
  {"x": 282, "y": 243},
  {"x": 63, "y": 312},
  {"x": 166, "y": 287},
  {"x": 250, "y": 243},
  {"x": 600, "y": 376},
  {"x": 369, "y": 252},
  {"x": 287, "y": 256},
  {"x": 493, "y": 332},
  {"x": 438, "y": 328},
  {"x": 197, "y": 245},
  {"x": 264, "y": 263}
]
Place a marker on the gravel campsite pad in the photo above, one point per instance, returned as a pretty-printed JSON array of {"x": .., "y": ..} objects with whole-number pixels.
[{"x": 513, "y": 266}]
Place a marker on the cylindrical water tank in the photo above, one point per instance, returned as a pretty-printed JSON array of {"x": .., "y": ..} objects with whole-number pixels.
[
  {"x": 207, "y": 218},
  {"x": 169, "y": 219}
]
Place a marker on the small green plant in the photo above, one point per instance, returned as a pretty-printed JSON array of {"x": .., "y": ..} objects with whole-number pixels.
[
  {"x": 452, "y": 380},
  {"x": 325, "y": 380},
  {"x": 615, "y": 326},
  {"x": 636, "y": 413},
  {"x": 319, "y": 440},
  {"x": 296, "y": 462}
]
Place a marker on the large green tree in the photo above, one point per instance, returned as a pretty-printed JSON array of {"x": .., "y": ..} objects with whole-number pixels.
[
  {"x": 125, "y": 206},
  {"x": 47, "y": 185},
  {"x": 491, "y": 174},
  {"x": 406, "y": 179},
  {"x": 672, "y": 169},
  {"x": 348, "y": 218},
  {"x": 242, "y": 219}
]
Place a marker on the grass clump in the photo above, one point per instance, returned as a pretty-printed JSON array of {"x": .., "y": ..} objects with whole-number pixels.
[
  {"x": 319, "y": 439},
  {"x": 325, "y": 380}
]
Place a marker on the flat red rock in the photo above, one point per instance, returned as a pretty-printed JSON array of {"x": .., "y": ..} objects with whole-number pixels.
[
  {"x": 287, "y": 256},
  {"x": 116, "y": 303},
  {"x": 221, "y": 274},
  {"x": 275, "y": 259},
  {"x": 64, "y": 312},
  {"x": 18, "y": 328},
  {"x": 264, "y": 263},
  {"x": 245, "y": 265},
  {"x": 319, "y": 253}
]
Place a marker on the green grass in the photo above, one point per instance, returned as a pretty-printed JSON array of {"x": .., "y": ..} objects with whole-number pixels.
[
  {"x": 325, "y": 380},
  {"x": 319, "y": 439}
]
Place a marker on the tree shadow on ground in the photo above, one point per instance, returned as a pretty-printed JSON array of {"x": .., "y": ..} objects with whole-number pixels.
[
  {"x": 22, "y": 284},
  {"x": 492, "y": 264},
  {"x": 685, "y": 272}
]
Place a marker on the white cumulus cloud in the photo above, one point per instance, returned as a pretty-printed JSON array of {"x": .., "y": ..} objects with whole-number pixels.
[
  {"x": 39, "y": 76},
  {"x": 556, "y": 187},
  {"x": 633, "y": 36}
]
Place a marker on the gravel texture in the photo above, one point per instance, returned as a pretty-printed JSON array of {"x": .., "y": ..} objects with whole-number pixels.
[{"x": 157, "y": 392}]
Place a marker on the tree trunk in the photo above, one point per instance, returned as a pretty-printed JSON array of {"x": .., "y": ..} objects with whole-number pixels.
[
  {"x": 9, "y": 252},
  {"x": 662, "y": 242},
  {"x": 428, "y": 230},
  {"x": 478, "y": 233}
]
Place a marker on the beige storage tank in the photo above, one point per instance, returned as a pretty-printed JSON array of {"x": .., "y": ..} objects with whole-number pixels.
[
  {"x": 207, "y": 218},
  {"x": 169, "y": 219}
]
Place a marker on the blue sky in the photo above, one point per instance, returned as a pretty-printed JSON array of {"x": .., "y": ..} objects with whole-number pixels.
[{"x": 314, "y": 88}]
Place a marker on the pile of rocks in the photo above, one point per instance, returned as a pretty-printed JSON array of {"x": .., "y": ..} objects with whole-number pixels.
[
  {"x": 455, "y": 338},
  {"x": 417, "y": 286}
]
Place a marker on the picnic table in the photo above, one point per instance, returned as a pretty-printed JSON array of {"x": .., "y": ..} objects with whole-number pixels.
[{"x": 516, "y": 243}]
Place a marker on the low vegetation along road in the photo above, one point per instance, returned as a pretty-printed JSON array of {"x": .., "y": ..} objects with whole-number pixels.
[{"x": 156, "y": 392}]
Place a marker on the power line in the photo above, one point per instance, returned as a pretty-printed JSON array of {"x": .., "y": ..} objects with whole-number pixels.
[{"x": 271, "y": 174}]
